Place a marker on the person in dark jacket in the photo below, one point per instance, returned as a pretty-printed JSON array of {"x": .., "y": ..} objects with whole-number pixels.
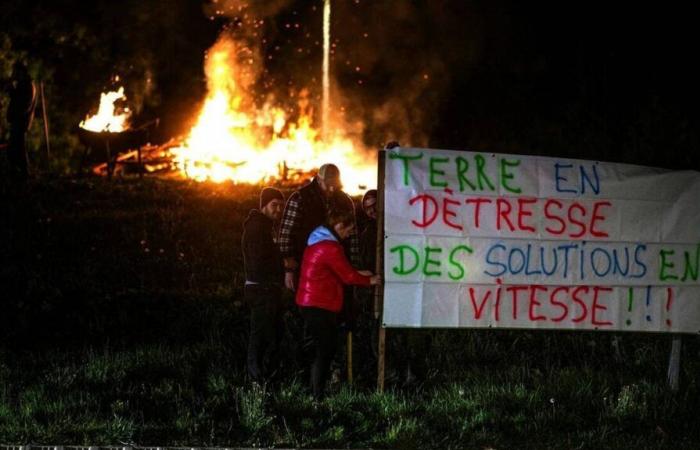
[
  {"x": 305, "y": 210},
  {"x": 325, "y": 270},
  {"x": 263, "y": 287},
  {"x": 20, "y": 113},
  {"x": 368, "y": 237}
]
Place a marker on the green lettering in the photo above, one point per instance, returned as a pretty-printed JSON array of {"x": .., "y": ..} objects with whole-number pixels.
[
  {"x": 480, "y": 174},
  {"x": 428, "y": 261},
  {"x": 663, "y": 276},
  {"x": 505, "y": 175},
  {"x": 406, "y": 159},
  {"x": 435, "y": 171},
  {"x": 462, "y": 168},
  {"x": 456, "y": 264},
  {"x": 402, "y": 269},
  {"x": 690, "y": 271}
]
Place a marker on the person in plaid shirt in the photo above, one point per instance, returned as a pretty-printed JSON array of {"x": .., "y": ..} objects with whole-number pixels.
[{"x": 306, "y": 209}]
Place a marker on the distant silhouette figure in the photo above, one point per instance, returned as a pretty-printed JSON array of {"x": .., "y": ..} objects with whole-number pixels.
[{"x": 20, "y": 113}]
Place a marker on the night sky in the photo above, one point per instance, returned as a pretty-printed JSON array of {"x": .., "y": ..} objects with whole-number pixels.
[{"x": 571, "y": 79}]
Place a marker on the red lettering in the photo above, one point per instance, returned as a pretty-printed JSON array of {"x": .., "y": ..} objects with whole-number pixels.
[
  {"x": 596, "y": 306},
  {"x": 477, "y": 208},
  {"x": 478, "y": 310},
  {"x": 498, "y": 300},
  {"x": 553, "y": 300},
  {"x": 597, "y": 216},
  {"x": 523, "y": 212},
  {"x": 425, "y": 198},
  {"x": 554, "y": 217},
  {"x": 515, "y": 290},
  {"x": 573, "y": 221},
  {"x": 534, "y": 303},
  {"x": 574, "y": 297},
  {"x": 502, "y": 213},
  {"x": 446, "y": 213}
]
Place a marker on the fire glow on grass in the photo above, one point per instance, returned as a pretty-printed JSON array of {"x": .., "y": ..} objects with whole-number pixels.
[
  {"x": 107, "y": 118},
  {"x": 235, "y": 140}
]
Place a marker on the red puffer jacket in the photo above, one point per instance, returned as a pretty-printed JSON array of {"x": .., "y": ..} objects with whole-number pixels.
[{"x": 324, "y": 271}]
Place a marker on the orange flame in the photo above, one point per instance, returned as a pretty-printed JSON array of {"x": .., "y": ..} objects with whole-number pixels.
[
  {"x": 235, "y": 140},
  {"x": 106, "y": 118}
]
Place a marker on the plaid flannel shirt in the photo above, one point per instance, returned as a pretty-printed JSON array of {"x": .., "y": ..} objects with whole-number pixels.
[{"x": 289, "y": 227}]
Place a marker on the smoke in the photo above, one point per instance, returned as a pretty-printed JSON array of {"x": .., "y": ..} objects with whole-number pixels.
[{"x": 394, "y": 62}]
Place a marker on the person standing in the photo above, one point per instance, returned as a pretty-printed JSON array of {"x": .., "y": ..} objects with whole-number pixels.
[
  {"x": 368, "y": 237},
  {"x": 263, "y": 287},
  {"x": 20, "y": 113},
  {"x": 325, "y": 270},
  {"x": 306, "y": 209}
]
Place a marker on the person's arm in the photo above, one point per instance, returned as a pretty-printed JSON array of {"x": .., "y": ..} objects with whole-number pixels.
[
  {"x": 355, "y": 248},
  {"x": 288, "y": 230},
  {"x": 340, "y": 265}
]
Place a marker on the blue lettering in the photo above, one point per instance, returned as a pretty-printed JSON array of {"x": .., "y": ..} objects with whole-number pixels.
[
  {"x": 566, "y": 249},
  {"x": 617, "y": 268},
  {"x": 554, "y": 266},
  {"x": 639, "y": 261},
  {"x": 558, "y": 177},
  {"x": 495, "y": 263},
  {"x": 527, "y": 262},
  {"x": 510, "y": 261},
  {"x": 595, "y": 266},
  {"x": 585, "y": 178}
]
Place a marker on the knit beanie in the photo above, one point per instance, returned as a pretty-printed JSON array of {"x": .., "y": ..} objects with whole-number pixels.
[{"x": 268, "y": 194}]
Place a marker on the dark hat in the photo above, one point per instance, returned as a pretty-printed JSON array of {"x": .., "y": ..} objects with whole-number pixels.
[
  {"x": 330, "y": 173},
  {"x": 369, "y": 195},
  {"x": 268, "y": 194}
]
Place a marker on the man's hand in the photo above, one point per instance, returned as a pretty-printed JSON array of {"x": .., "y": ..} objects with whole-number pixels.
[
  {"x": 375, "y": 280},
  {"x": 367, "y": 273},
  {"x": 290, "y": 281}
]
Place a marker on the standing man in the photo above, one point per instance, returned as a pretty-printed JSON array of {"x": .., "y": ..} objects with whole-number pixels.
[
  {"x": 20, "y": 113},
  {"x": 368, "y": 237},
  {"x": 263, "y": 287},
  {"x": 307, "y": 209}
]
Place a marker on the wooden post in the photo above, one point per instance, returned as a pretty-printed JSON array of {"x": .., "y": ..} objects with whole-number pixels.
[
  {"x": 45, "y": 116},
  {"x": 674, "y": 364},
  {"x": 379, "y": 269}
]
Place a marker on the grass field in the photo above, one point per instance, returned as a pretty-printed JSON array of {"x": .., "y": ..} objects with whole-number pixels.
[{"x": 122, "y": 321}]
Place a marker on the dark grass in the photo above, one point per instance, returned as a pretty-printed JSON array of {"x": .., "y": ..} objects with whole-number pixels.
[{"x": 122, "y": 321}]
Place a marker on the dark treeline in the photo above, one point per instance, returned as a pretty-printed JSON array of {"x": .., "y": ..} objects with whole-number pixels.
[{"x": 576, "y": 79}]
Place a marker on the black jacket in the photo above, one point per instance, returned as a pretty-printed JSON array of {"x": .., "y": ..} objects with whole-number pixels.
[
  {"x": 315, "y": 208},
  {"x": 368, "y": 246},
  {"x": 261, "y": 255}
]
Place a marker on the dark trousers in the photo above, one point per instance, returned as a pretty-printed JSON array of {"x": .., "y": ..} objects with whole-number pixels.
[
  {"x": 266, "y": 310},
  {"x": 320, "y": 334},
  {"x": 17, "y": 151}
]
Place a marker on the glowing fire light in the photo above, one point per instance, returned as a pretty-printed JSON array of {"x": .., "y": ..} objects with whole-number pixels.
[
  {"x": 233, "y": 139},
  {"x": 107, "y": 118}
]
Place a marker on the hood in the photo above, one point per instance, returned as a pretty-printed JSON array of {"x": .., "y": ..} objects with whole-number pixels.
[{"x": 321, "y": 234}]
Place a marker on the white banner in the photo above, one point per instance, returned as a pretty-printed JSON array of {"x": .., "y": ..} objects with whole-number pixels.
[{"x": 494, "y": 240}]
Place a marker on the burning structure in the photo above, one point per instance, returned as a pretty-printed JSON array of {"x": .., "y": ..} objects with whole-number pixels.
[{"x": 240, "y": 139}]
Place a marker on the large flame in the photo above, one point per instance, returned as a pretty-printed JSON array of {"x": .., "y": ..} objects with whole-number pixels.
[
  {"x": 233, "y": 139},
  {"x": 107, "y": 118}
]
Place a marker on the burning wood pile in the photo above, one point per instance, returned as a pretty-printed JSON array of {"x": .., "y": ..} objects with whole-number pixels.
[{"x": 234, "y": 138}]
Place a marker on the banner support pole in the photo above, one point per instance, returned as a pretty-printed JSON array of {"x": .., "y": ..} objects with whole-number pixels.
[
  {"x": 379, "y": 269},
  {"x": 674, "y": 364}
]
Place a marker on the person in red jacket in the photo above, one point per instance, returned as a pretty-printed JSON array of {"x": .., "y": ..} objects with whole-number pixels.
[{"x": 324, "y": 271}]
